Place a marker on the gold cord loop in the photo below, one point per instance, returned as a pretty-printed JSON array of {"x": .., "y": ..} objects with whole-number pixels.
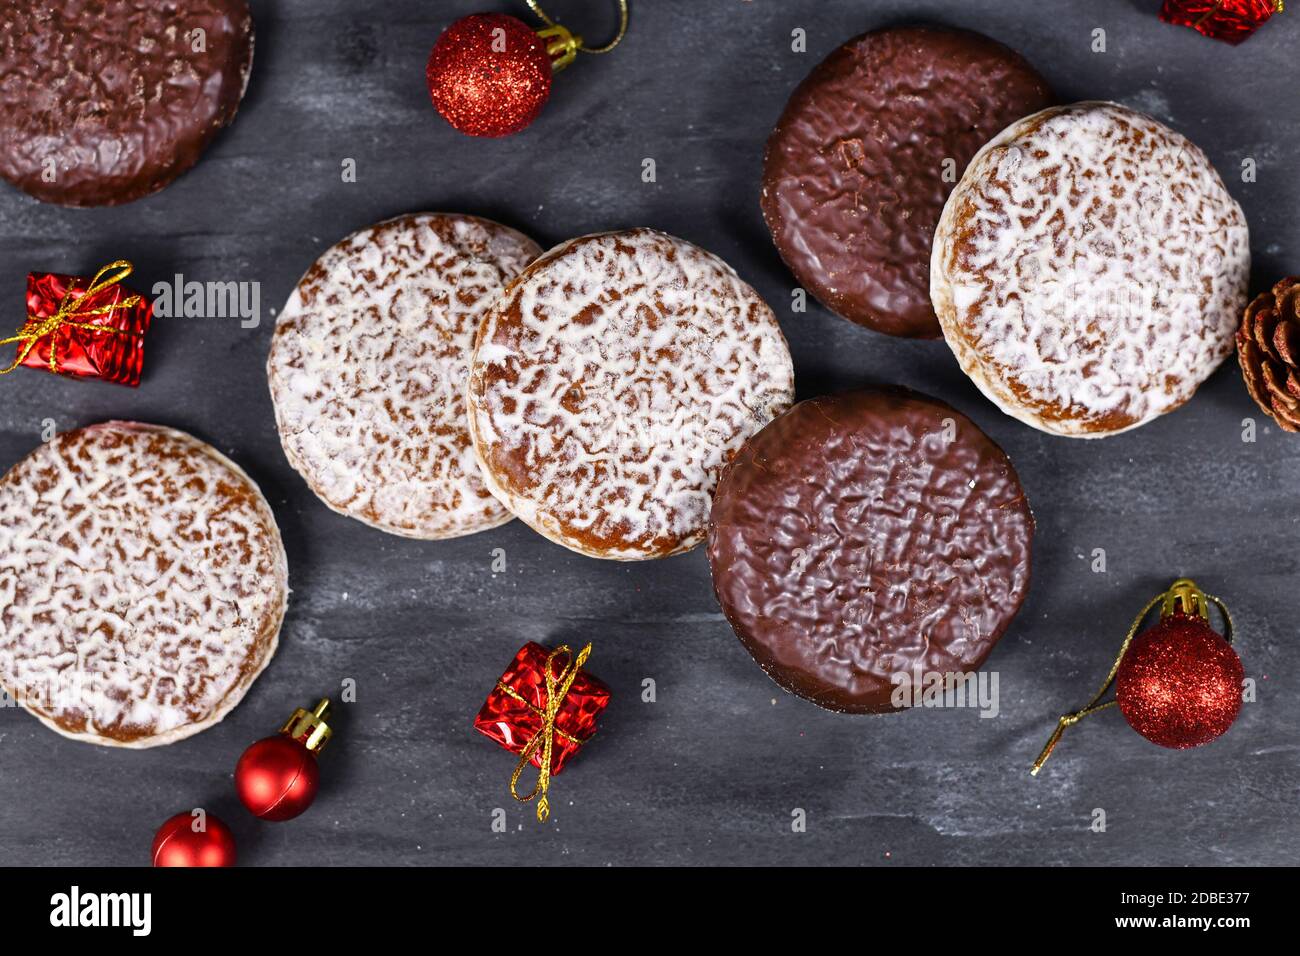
[
  {"x": 577, "y": 43},
  {"x": 1095, "y": 705}
]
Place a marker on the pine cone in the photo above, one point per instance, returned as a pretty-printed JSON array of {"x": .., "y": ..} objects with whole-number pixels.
[{"x": 1268, "y": 349}]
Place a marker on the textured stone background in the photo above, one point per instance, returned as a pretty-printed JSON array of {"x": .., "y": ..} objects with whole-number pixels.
[{"x": 710, "y": 772}]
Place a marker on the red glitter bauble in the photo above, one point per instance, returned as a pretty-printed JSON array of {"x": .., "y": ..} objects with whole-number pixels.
[
  {"x": 489, "y": 75},
  {"x": 1179, "y": 685},
  {"x": 277, "y": 778},
  {"x": 190, "y": 840}
]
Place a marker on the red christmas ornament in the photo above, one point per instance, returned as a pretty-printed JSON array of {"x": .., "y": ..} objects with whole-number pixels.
[
  {"x": 1178, "y": 683},
  {"x": 490, "y": 74},
  {"x": 544, "y": 709},
  {"x": 277, "y": 777},
  {"x": 1232, "y": 21},
  {"x": 194, "y": 839},
  {"x": 88, "y": 328}
]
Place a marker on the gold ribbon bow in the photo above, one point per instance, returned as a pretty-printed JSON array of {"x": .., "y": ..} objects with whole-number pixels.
[
  {"x": 557, "y": 688},
  {"x": 69, "y": 310},
  {"x": 1183, "y": 596}
]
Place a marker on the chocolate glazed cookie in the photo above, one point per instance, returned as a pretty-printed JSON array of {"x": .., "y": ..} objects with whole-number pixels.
[
  {"x": 862, "y": 160},
  {"x": 865, "y": 536},
  {"x": 105, "y": 102}
]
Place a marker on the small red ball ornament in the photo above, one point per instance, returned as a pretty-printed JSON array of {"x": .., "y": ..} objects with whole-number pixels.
[
  {"x": 489, "y": 74},
  {"x": 277, "y": 777},
  {"x": 194, "y": 839},
  {"x": 1178, "y": 683}
]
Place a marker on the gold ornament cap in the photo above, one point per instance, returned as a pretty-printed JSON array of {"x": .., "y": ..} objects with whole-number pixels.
[
  {"x": 1184, "y": 597},
  {"x": 308, "y": 727},
  {"x": 561, "y": 46}
]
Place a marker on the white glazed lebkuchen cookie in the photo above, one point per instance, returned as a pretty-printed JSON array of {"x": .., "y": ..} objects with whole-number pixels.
[
  {"x": 1089, "y": 269},
  {"x": 613, "y": 381},
  {"x": 142, "y": 584},
  {"x": 368, "y": 365}
]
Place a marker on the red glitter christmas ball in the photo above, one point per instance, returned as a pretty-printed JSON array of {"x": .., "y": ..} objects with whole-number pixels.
[
  {"x": 489, "y": 75},
  {"x": 1179, "y": 685}
]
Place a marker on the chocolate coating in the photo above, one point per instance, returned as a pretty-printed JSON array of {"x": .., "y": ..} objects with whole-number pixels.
[
  {"x": 865, "y": 535},
  {"x": 105, "y": 102},
  {"x": 862, "y": 160}
]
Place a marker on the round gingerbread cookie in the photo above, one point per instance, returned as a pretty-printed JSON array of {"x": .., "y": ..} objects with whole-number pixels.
[
  {"x": 368, "y": 367},
  {"x": 142, "y": 584},
  {"x": 611, "y": 383},
  {"x": 103, "y": 103},
  {"x": 1090, "y": 269},
  {"x": 867, "y": 150},
  {"x": 865, "y": 542}
]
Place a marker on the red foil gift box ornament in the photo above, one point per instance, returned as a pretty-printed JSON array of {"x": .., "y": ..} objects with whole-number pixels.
[
  {"x": 88, "y": 328},
  {"x": 1232, "y": 21},
  {"x": 543, "y": 708}
]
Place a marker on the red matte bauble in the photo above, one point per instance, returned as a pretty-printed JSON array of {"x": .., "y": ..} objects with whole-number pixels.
[
  {"x": 277, "y": 778},
  {"x": 489, "y": 75},
  {"x": 179, "y": 843},
  {"x": 1180, "y": 683}
]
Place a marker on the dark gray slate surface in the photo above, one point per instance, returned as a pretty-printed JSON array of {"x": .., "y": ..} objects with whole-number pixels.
[{"x": 711, "y": 772}]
